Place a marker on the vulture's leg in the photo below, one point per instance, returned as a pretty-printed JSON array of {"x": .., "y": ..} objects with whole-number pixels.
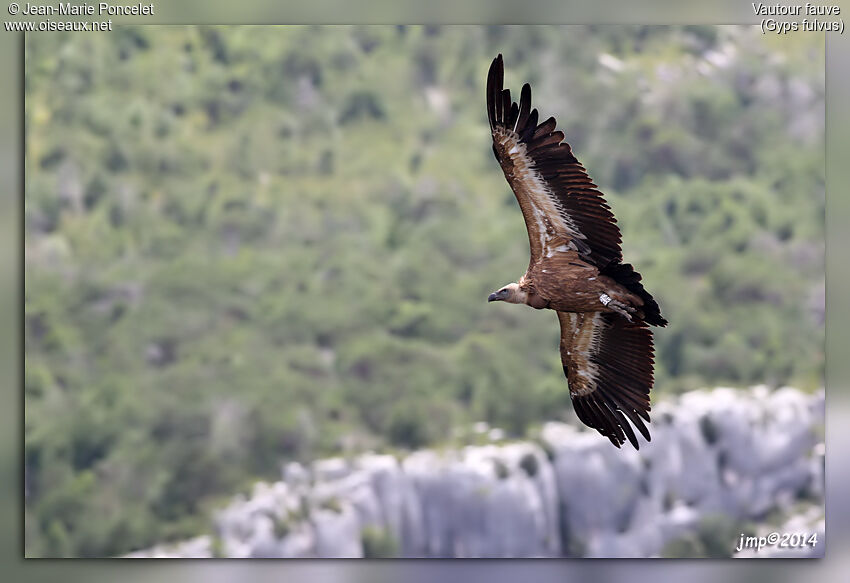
[{"x": 624, "y": 310}]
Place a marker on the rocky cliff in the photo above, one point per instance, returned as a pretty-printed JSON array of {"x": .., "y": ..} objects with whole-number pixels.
[{"x": 738, "y": 454}]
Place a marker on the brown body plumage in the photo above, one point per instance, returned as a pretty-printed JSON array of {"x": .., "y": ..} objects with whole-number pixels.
[{"x": 576, "y": 268}]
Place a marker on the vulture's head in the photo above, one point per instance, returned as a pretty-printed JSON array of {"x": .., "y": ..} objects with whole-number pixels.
[{"x": 510, "y": 293}]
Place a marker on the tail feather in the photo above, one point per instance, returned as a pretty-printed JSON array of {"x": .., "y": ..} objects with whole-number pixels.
[{"x": 625, "y": 275}]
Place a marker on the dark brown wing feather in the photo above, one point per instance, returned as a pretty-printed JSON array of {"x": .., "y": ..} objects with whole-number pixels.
[
  {"x": 608, "y": 362},
  {"x": 591, "y": 226}
]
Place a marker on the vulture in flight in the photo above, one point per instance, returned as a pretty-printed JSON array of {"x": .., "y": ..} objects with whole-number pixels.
[{"x": 576, "y": 268}]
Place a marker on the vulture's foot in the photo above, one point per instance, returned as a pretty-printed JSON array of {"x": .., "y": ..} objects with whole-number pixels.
[{"x": 624, "y": 310}]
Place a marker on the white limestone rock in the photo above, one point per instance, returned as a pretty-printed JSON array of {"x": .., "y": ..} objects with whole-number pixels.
[{"x": 737, "y": 453}]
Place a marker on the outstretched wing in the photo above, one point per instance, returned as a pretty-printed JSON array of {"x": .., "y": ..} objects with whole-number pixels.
[
  {"x": 561, "y": 206},
  {"x": 608, "y": 362}
]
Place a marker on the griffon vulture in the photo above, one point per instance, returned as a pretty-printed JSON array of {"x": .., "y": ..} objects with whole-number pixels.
[{"x": 576, "y": 268}]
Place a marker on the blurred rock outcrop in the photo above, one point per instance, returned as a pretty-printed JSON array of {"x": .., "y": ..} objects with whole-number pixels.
[{"x": 740, "y": 454}]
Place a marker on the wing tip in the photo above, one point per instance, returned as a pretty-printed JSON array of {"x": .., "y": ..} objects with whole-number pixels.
[
  {"x": 610, "y": 421},
  {"x": 617, "y": 402},
  {"x": 495, "y": 81}
]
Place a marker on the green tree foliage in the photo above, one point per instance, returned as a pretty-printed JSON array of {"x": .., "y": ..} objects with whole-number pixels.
[
  {"x": 715, "y": 537},
  {"x": 251, "y": 245},
  {"x": 378, "y": 543}
]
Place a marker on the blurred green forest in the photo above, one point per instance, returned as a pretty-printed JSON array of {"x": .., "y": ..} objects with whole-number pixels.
[{"x": 259, "y": 244}]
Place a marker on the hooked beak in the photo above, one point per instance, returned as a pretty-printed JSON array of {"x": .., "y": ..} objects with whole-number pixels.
[{"x": 496, "y": 296}]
